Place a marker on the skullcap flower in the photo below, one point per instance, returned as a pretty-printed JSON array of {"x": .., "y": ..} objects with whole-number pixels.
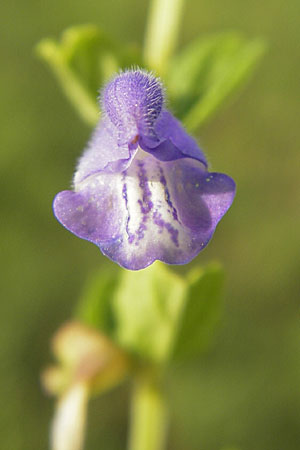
[{"x": 142, "y": 190}]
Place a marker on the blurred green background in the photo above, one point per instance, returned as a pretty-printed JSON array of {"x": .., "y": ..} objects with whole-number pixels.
[{"x": 244, "y": 393}]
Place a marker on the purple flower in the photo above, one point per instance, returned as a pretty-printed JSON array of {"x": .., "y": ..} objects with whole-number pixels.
[{"x": 142, "y": 190}]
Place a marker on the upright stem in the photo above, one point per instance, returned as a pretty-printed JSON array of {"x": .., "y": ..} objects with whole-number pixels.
[
  {"x": 148, "y": 416},
  {"x": 162, "y": 32},
  {"x": 68, "y": 426}
]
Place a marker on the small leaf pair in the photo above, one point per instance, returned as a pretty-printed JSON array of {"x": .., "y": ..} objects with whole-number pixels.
[
  {"x": 199, "y": 78},
  {"x": 82, "y": 61}
]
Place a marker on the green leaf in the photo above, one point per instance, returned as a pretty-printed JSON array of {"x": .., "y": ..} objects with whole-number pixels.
[
  {"x": 94, "y": 307},
  {"x": 209, "y": 71},
  {"x": 201, "y": 313},
  {"x": 154, "y": 313},
  {"x": 82, "y": 61},
  {"x": 147, "y": 307}
]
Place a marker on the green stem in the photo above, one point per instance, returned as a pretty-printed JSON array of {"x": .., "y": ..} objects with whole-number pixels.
[
  {"x": 78, "y": 95},
  {"x": 162, "y": 32},
  {"x": 148, "y": 416}
]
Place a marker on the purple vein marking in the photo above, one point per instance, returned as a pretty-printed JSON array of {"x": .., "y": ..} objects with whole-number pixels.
[
  {"x": 145, "y": 203},
  {"x": 125, "y": 197},
  {"x": 167, "y": 194},
  {"x": 170, "y": 229}
]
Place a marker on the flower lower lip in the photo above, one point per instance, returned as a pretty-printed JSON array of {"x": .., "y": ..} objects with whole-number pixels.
[{"x": 152, "y": 210}]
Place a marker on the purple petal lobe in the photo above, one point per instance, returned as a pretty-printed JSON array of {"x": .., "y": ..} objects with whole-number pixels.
[
  {"x": 103, "y": 153},
  {"x": 152, "y": 210},
  {"x": 89, "y": 214},
  {"x": 174, "y": 142}
]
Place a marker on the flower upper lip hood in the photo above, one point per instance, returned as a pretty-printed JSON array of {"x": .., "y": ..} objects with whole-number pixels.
[
  {"x": 141, "y": 189},
  {"x": 133, "y": 104}
]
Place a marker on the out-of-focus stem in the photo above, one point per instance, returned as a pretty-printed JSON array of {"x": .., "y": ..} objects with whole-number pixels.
[
  {"x": 148, "y": 416},
  {"x": 68, "y": 426},
  {"x": 161, "y": 33}
]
